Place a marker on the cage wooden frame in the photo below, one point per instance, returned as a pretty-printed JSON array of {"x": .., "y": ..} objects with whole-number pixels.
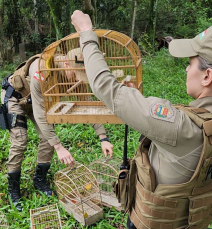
[
  {"x": 79, "y": 193},
  {"x": 45, "y": 217},
  {"x": 3, "y": 221},
  {"x": 68, "y": 102},
  {"x": 106, "y": 172}
]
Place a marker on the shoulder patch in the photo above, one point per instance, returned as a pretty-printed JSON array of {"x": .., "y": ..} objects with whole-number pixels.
[
  {"x": 38, "y": 76},
  {"x": 162, "y": 112}
]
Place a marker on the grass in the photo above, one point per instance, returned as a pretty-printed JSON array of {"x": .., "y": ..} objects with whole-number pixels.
[{"x": 163, "y": 76}]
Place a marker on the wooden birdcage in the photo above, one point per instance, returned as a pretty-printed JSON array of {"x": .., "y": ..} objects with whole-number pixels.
[
  {"x": 45, "y": 217},
  {"x": 68, "y": 97},
  {"x": 3, "y": 221},
  {"x": 79, "y": 193},
  {"x": 106, "y": 172}
]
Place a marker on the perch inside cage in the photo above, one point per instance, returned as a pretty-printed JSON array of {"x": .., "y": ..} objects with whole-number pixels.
[
  {"x": 68, "y": 97},
  {"x": 45, "y": 217},
  {"x": 106, "y": 172},
  {"x": 79, "y": 193},
  {"x": 3, "y": 221}
]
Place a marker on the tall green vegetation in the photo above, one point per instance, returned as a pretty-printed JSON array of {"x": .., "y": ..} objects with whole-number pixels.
[{"x": 41, "y": 22}]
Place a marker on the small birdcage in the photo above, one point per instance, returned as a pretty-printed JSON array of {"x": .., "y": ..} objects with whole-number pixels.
[
  {"x": 79, "y": 193},
  {"x": 106, "y": 172},
  {"x": 3, "y": 221},
  {"x": 45, "y": 217},
  {"x": 68, "y": 97}
]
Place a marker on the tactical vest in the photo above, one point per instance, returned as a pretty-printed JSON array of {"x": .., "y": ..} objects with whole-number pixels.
[
  {"x": 20, "y": 79},
  {"x": 178, "y": 206}
]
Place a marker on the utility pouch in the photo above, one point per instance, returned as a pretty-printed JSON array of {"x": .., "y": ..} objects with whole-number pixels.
[
  {"x": 12, "y": 120},
  {"x": 124, "y": 187},
  {"x": 17, "y": 82},
  {"x": 3, "y": 118},
  {"x": 121, "y": 188}
]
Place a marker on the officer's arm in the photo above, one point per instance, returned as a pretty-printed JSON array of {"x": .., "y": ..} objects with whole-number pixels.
[
  {"x": 38, "y": 106},
  {"x": 107, "y": 147},
  {"x": 40, "y": 116},
  {"x": 156, "y": 118}
]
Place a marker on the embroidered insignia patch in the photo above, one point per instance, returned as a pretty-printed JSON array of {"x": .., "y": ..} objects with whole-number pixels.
[
  {"x": 38, "y": 77},
  {"x": 202, "y": 34},
  {"x": 162, "y": 112}
]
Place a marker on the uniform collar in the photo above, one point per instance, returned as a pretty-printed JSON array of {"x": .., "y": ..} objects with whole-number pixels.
[{"x": 205, "y": 102}]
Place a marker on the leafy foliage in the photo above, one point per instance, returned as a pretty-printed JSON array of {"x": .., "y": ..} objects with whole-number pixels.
[{"x": 41, "y": 22}]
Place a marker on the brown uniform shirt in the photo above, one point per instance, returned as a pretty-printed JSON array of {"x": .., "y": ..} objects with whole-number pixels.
[
  {"x": 39, "y": 111},
  {"x": 176, "y": 140}
]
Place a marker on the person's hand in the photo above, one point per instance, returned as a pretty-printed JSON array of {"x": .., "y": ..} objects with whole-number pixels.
[
  {"x": 64, "y": 155},
  {"x": 127, "y": 81},
  {"x": 107, "y": 148},
  {"x": 81, "y": 21}
]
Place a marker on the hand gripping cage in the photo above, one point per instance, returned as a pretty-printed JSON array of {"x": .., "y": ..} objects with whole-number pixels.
[
  {"x": 79, "y": 193},
  {"x": 3, "y": 221},
  {"x": 45, "y": 217},
  {"x": 68, "y": 97},
  {"x": 106, "y": 171}
]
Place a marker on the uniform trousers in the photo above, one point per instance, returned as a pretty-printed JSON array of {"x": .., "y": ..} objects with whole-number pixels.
[{"x": 18, "y": 137}]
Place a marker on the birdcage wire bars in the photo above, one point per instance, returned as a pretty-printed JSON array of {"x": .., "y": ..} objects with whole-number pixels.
[
  {"x": 106, "y": 172},
  {"x": 45, "y": 217},
  {"x": 79, "y": 193}
]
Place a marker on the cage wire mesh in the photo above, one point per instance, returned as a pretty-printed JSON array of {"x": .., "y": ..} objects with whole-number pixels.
[
  {"x": 45, "y": 217},
  {"x": 3, "y": 221},
  {"x": 68, "y": 97},
  {"x": 106, "y": 172},
  {"x": 79, "y": 193}
]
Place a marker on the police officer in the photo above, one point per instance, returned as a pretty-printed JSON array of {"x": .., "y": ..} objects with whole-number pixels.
[
  {"x": 49, "y": 141},
  {"x": 170, "y": 182}
]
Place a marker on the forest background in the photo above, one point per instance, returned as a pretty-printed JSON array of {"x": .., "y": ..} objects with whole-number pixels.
[{"x": 36, "y": 24}]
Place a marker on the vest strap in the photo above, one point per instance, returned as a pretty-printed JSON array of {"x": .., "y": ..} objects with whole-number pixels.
[
  {"x": 21, "y": 124},
  {"x": 201, "y": 190},
  {"x": 207, "y": 126},
  {"x": 200, "y": 215},
  {"x": 156, "y": 200},
  {"x": 16, "y": 120},
  {"x": 160, "y": 214},
  {"x": 136, "y": 221},
  {"x": 199, "y": 110},
  {"x": 201, "y": 202},
  {"x": 201, "y": 225},
  {"x": 149, "y": 223},
  {"x": 11, "y": 92}
]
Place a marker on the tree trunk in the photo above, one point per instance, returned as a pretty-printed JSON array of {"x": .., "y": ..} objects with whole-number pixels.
[
  {"x": 133, "y": 18},
  {"x": 1, "y": 13},
  {"x": 95, "y": 13},
  {"x": 28, "y": 25},
  {"x": 16, "y": 25},
  {"x": 89, "y": 10},
  {"x": 36, "y": 16},
  {"x": 55, "y": 19},
  {"x": 151, "y": 18},
  {"x": 154, "y": 23}
]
